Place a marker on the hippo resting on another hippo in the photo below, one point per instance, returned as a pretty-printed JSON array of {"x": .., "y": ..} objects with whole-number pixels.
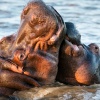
[
  {"x": 78, "y": 63},
  {"x": 30, "y": 57}
]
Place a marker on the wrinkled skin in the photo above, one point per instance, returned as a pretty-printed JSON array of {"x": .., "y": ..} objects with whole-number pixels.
[
  {"x": 31, "y": 55},
  {"x": 79, "y": 65}
]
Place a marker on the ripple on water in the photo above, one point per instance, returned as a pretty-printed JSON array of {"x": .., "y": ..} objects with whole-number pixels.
[{"x": 85, "y": 14}]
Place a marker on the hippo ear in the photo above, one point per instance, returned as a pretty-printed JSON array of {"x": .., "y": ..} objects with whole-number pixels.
[
  {"x": 24, "y": 12},
  {"x": 94, "y": 48}
]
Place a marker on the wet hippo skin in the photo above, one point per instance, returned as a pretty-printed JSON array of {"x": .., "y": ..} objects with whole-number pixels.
[
  {"x": 72, "y": 33},
  {"x": 79, "y": 64},
  {"x": 31, "y": 55}
]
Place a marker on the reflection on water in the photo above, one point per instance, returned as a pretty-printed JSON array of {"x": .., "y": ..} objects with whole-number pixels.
[{"x": 86, "y": 16}]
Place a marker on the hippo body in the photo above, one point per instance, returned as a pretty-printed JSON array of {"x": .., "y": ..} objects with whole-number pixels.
[{"x": 33, "y": 51}]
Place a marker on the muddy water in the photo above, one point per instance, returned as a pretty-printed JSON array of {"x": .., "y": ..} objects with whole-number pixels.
[
  {"x": 86, "y": 16},
  {"x": 60, "y": 91}
]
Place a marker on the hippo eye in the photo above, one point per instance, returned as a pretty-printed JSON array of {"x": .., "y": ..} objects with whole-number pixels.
[{"x": 21, "y": 56}]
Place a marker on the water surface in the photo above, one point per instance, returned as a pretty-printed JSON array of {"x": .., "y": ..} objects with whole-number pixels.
[{"x": 84, "y": 13}]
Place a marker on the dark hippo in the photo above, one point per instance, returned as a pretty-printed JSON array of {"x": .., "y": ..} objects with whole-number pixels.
[
  {"x": 31, "y": 55},
  {"x": 78, "y": 63}
]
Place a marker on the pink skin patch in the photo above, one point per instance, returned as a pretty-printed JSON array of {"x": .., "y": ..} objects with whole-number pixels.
[
  {"x": 75, "y": 51},
  {"x": 75, "y": 47}
]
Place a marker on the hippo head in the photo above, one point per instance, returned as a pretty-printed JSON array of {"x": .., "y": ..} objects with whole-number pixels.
[
  {"x": 38, "y": 21},
  {"x": 41, "y": 28},
  {"x": 89, "y": 70},
  {"x": 33, "y": 53},
  {"x": 79, "y": 64}
]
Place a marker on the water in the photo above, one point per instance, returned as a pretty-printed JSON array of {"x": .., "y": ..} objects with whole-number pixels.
[
  {"x": 60, "y": 92},
  {"x": 85, "y": 14}
]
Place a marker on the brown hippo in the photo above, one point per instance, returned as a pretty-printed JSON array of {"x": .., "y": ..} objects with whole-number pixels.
[
  {"x": 78, "y": 63},
  {"x": 31, "y": 55}
]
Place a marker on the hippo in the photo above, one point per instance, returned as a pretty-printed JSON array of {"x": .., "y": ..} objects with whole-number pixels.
[
  {"x": 78, "y": 64},
  {"x": 30, "y": 56}
]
